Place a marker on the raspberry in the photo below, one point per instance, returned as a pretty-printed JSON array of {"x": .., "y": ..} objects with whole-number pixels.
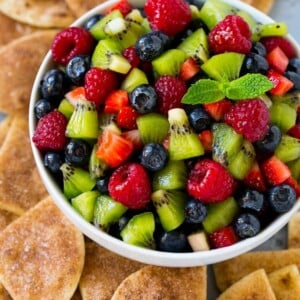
[
  {"x": 130, "y": 185},
  {"x": 50, "y": 132},
  {"x": 170, "y": 91},
  {"x": 168, "y": 16},
  {"x": 123, "y": 6},
  {"x": 223, "y": 237},
  {"x": 272, "y": 42},
  {"x": 232, "y": 34},
  {"x": 250, "y": 118},
  {"x": 70, "y": 42},
  {"x": 98, "y": 84},
  {"x": 130, "y": 54},
  {"x": 126, "y": 117},
  {"x": 210, "y": 182}
]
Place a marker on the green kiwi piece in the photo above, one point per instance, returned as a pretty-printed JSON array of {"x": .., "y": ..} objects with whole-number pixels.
[
  {"x": 196, "y": 46},
  {"x": 76, "y": 181},
  {"x": 269, "y": 29},
  {"x": 172, "y": 177},
  {"x": 184, "y": 143},
  {"x": 226, "y": 143},
  {"x": 153, "y": 127},
  {"x": 169, "y": 62},
  {"x": 115, "y": 26},
  {"x": 224, "y": 67},
  {"x": 84, "y": 204},
  {"x": 292, "y": 99},
  {"x": 241, "y": 163},
  {"x": 83, "y": 123},
  {"x": 288, "y": 148},
  {"x": 283, "y": 115},
  {"x": 169, "y": 206},
  {"x": 66, "y": 108},
  {"x": 107, "y": 55},
  {"x": 133, "y": 79},
  {"x": 294, "y": 166},
  {"x": 97, "y": 167},
  {"x": 107, "y": 211},
  {"x": 139, "y": 230},
  {"x": 220, "y": 215}
]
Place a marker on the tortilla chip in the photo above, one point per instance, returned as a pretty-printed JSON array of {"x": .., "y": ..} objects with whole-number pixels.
[
  {"x": 4, "y": 294},
  {"x": 263, "y": 5},
  {"x": 41, "y": 254},
  {"x": 76, "y": 296},
  {"x": 230, "y": 271},
  {"x": 152, "y": 282},
  {"x": 20, "y": 184},
  {"x": 6, "y": 218},
  {"x": 103, "y": 272},
  {"x": 20, "y": 61},
  {"x": 39, "y": 13},
  {"x": 4, "y": 127},
  {"x": 294, "y": 231},
  {"x": 80, "y": 7}
]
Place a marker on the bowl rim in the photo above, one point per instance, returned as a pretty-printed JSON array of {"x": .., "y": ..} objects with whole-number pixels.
[{"x": 148, "y": 256}]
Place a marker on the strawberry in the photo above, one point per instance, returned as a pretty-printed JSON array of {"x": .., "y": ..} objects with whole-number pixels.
[
  {"x": 218, "y": 109},
  {"x": 123, "y": 6},
  {"x": 275, "y": 171},
  {"x": 113, "y": 149},
  {"x": 76, "y": 94},
  {"x": 278, "y": 60},
  {"x": 295, "y": 131},
  {"x": 286, "y": 46},
  {"x": 223, "y": 237},
  {"x": 291, "y": 181},
  {"x": 206, "y": 139},
  {"x": 50, "y": 132},
  {"x": 255, "y": 179},
  {"x": 188, "y": 69},
  {"x": 281, "y": 84},
  {"x": 134, "y": 137},
  {"x": 130, "y": 185},
  {"x": 126, "y": 117},
  {"x": 115, "y": 101}
]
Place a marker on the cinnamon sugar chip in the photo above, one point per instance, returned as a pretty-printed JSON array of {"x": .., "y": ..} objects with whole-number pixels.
[
  {"x": 41, "y": 254},
  {"x": 4, "y": 127},
  {"x": 294, "y": 231},
  {"x": 5, "y": 219},
  {"x": 79, "y": 7},
  {"x": 4, "y": 294}
]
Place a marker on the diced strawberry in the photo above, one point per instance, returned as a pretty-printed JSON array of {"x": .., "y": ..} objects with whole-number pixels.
[
  {"x": 286, "y": 46},
  {"x": 123, "y": 6},
  {"x": 278, "y": 60},
  {"x": 134, "y": 137},
  {"x": 126, "y": 117},
  {"x": 189, "y": 69},
  {"x": 281, "y": 84},
  {"x": 74, "y": 95},
  {"x": 295, "y": 131},
  {"x": 113, "y": 149},
  {"x": 275, "y": 171},
  {"x": 206, "y": 139},
  {"x": 291, "y": 181},
  {"x": 218, "y": 109},
  {"x": 131, "y": 55},
  {"x": 115, "y": 101},
  {"x": 255, "y": 179},
  {"x": 223, "y": 237}
]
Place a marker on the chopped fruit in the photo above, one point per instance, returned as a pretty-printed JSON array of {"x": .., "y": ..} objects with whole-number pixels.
[
  {"x": 50, "y": 132},
  {"x": 115, "y": 101},
  {"x": 74, "y": 95},
  {"x": 113, "y": 149},
  {"x": 123, "y": 6},
  {"x": 232, "y": 34},
  {"x": 291, "y": 181},
  {"x": 126, "y": 117},
  {"x": 223, "y": 237},
  {"x": 250, "y": 118},
  {"x": 189, "y": 69},
  {"x": 246, "y": 225},
  {"x": 218, "y": 109},
  {"x": 272, "y": 42},
  {"x": 275, "y": 171},
  {"x": 130, "y": 185},
  {"x": 170, "y": 17},
  {"x": 134, "y": 137},
  {"x": 131, "y": 55},
  {"x": 278, "y": 60},
  {"x": 206, "y": 139},
  {"x": 210, "y": 182},
  {"x": 255, "y": 179},
  {"x": 295, "y": 131},
  {"x": 281, "y": 84}
]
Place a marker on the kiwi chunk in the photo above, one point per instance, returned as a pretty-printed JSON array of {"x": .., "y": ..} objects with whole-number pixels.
[
  {"x": 292, "y": 99},
  {"x": 172, "y": 177},
  {"x": 184, "y": 142},
  {"x": 283, "y": 115},
  {"x": 294, "y": 166},
  {"x": 66, "y": 108},
  {"x": 107, "y": 211},
  {"x": 288, "y": 148},
  {"x": 133, "y": 79},
  {"x": 169, "y": 206},
  {"x": 139, "y": 230},
  {"x": 97, "y": 167},
  {"x": 83, "y": 123},
  {"x": 269, "y": 29},
  {"x": 220, "y": 215},
  {"x": 84, "y": 204},
  {"x": 153, "y": 127},
  {"x": 224, "y": 67}
]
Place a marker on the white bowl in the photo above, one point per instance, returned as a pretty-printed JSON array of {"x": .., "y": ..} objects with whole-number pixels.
[{"x": 137, "y": 253}]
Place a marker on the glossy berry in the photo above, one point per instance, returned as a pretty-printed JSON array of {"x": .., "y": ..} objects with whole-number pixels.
[
  {"x": 281, "y": 198},
  {"x": 172, "y": 241},
  {"x": 255, "y": 179},
  {"x": 250, "y": 118},
  {"x": 259, "y": 48},
  {"x": 123, "y": 6},
  {"x": 92, "y": 21},
  {"x": 131, "y": 55},
  {"x": 294, "y": 78},
  {"x": 126, "y": 118},
  {"x": 77, "y": 152},
  {"x": 252, "y": 200},
  {"x": 53, "y": 160},
  {"x": 143, "y": 98},
  {"x": 70, "y": 42},
  {"x": 294, "y": 65},
  {"x": 198, "y": 3},
  {"x": 272, "y": 42},
  {"x": 295, "y": 131},
  {"x": 199, "y": 119},
  {"x": 254, "y": 63},
  {"x": 42, "y": 107},
  {"x": 247, "y": 225},
  {"x": 76, "y": 69},
  {"x": 271, "y": 140},
  {"x": 102, "y": 184},
  {"x": 154, "y": 156},
  {"x": 223, "y": 237},
  {"x": 195, "y": 211},
  {"x": 231, "y": 34}
]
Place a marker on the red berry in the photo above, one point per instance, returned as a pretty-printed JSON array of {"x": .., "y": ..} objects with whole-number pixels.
[
  {"x": 70, "y": 42},
  {"x": 130, "y": 185},
  {"x": 168, "y": 16},
  {"x": 98, "y": 84},
  {"x": 295, "y": 131},
  {"x": 131, "y": 55},
  {"x": 134, "y": 137},
  {"x": 115, "y": 101},
  {"x": 126, "y": 117},
  {"x": 210, "y": 182},
  {"x": 291, "y": 181},
  {"x": 50, "y": 132},
  {"x": 255, "y": 179},
  {"x": 250, "y": 118},
  {"x": 170, "y": 91},
  {"x": 278, "y": 60},
  {"x": 286, "y": 46},
  {"x": 123, "y": 6},
  {"x": 223, "y": 237},
  {"x": 231, "y": 34},
  {"x": 189, "y": 69},
  {"x": 281, "y": 84},
  {"x": 206, "y": 139},
  {"x": 218, "y": 109}
]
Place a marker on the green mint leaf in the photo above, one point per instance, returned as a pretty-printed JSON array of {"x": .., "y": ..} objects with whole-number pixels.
[
  {"x": 203, "y": 91},
  {"x": 248, "y": 86}
]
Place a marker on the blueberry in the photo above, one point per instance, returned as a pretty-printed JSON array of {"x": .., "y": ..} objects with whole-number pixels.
[
  {"x": 53, "y": 161},
  {"x": 270, "y": 141},
  {"x": 252, "y": 200},
  {"x": 199, "y": 119},
  {"x": 172, "y": 241},
  {"x": 294, "y": 65},
  {"x": 42, "y": 107},
  {"x": 259, "y": 48},
  {"x": 281, "y": 198},
  {"x": 254, "y": 63},
  {"x": 195, "y": 211},
  {"x": 92, "y": 21},
  {"x": 295, "y": 78},
  {"x": 76, "y": 69},
  {"x": 198, "y": 3},
  {"x": 77, "y": 152},
  {"x": 102, "y": 184},
  {"x": 143, "y": 98},
  {"x": 246, "y": 225},
  {"x": 154, "y": 156}
]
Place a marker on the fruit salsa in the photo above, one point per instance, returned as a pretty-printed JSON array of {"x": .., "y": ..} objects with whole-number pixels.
[{"x": 173, "y": 127}]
